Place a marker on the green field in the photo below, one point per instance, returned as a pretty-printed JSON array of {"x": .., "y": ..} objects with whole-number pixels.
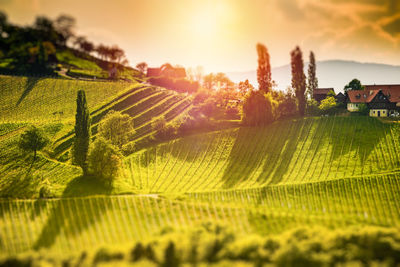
[{"x": 332, "y": 174}]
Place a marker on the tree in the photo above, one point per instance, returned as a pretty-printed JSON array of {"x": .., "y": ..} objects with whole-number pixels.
[
  {"x": 116, "y": 128},
  {"x": 142, "y": 67},
  {"x": 245, "y": 87},
  {"x": 65, "y": 25},
  {"x": 257, "y": 109},
  {"x": 312, "y": 78},
  {"x": 287, "y": 104},
  {"x": 105, "y": 160},
  {"x": 87, "y": 46},
  {"x": 33, "y": 140},
  {"x": 298, "y": 79},
  {"x": 80, "y": 148},
  {"x": 264, "y": 69},
  {"x": 355, "y": 84},
  {"x": 327, "y": 104}
]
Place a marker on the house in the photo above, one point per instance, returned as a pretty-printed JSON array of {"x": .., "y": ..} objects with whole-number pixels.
[
  {"x": 166, "y": 71},
  {"x": 382, "y": 100},
  {"x": 320, "y": 94},
  {"x": 340, "y": 98}
]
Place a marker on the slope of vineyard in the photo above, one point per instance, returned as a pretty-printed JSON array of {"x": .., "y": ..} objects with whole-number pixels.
[
  {"x": 51, "y": 103},
  {"x": 288, "y": 152},
  {"x": 69, "y": 225}
]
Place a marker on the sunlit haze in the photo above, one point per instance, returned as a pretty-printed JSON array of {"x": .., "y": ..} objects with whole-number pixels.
[{"x": 221, "y": 35}]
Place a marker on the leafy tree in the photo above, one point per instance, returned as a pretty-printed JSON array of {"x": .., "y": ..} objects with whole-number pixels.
[
  {"x": 142, "y": 67},
  {"x": 116, "y": 128},
  {"x": 245, "y": 87},
  {"x": 105, "y": 160},
  {"x": 80, "y": 148},
  {"x": 312, "y": 78},
  {"x": 312, "y": 107},
  {"x": 298, "y": 79},
  {"x": 65, "y": 25},
  {"x": 33, "y": 140},
  {"x": 331, "y": 93},
  {"x": 327, "y": 104},
  {"x": 355, "y": 84},
  {"x": 264, "y": 69},
  {"x": 257, "y": 109},
  {"x": 287, "y": 104}
]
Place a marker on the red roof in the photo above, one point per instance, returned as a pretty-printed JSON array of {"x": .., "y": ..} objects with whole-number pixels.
[
  {"x": 361, "y": 96},
  {"x": 322, "y": 91},
  {"x": 392, "y": 91}
]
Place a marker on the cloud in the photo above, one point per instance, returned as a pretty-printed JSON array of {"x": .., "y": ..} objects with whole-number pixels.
[
  {"x": 393, "y": 27},
  {"x": 290, "y": 9}
]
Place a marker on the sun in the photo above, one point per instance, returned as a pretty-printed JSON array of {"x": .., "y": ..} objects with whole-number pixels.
[
  {"x": 209, "y": 19},
  {"x": 205, "y": 24}
]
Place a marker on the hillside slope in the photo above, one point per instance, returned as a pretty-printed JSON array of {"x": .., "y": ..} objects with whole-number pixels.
[{"x": 287, "y": 152}]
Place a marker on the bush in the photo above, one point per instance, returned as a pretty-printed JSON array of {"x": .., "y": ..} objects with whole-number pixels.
[
  {"x": 363, "y": 109},
  {"x": 328, "y": 105},
  {"x": 163, "y": 130},
  {"x": 312, "y": 108},
  {"x": 105, "y": 160},
  {"x": 257, "y": 109},
  {"x": 116, "y": 128}
]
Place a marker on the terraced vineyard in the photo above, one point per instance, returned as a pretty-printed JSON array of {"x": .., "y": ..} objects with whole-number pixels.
[
  {"x": 336, "y": 172},
  {"x": 74, "y": 224},
  {"x": 290, "y": 152}
]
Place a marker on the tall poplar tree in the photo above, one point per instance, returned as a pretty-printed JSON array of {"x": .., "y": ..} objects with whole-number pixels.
[
  {"x": 82, "y": 133},
  {"x": 298, "y": 78},
  {"x": 312, "y": 78},
  {"x": 264, "y": 69}
]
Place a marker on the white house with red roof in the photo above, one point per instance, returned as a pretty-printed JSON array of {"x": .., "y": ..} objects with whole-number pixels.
[{"x": 382, "y": 100}]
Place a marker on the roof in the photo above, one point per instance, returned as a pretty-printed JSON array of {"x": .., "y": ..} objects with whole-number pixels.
[
  {"x": 392, "y": 91},
  {"x": 361, "y": 96},
  {"x": 323, "y": 91}
]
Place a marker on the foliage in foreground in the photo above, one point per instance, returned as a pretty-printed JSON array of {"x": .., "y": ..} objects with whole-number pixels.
[{"x": 218, "y": 246}]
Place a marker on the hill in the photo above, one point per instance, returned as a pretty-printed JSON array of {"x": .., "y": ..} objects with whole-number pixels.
[
  {"x": 50, "y": 103},
  {"x": 288, "y": 152},
  {"x": 331, "y": 73}
]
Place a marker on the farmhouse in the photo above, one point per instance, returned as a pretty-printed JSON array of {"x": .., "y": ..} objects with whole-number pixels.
[
  {"x": 166, "y": 71},
  {"x": 382, "y": 100},
  {"x": 320, "y": 94}
]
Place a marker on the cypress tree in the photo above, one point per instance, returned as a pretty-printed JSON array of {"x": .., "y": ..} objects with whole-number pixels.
[
  {"x": 264, "y": 69},
  {"x": 298, "y": 78},
  {"x": 82, "y": 133},
  {"x": 312, "y": 78}
]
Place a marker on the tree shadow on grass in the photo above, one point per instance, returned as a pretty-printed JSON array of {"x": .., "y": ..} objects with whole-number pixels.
[
  {"x": 255, "y": 145},
  {"x": 72, "y": 214},
  {"x": 29, "y": 85}
]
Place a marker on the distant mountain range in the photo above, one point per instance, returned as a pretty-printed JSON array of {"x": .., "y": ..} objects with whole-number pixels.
[{"x": 330, "y": 73}]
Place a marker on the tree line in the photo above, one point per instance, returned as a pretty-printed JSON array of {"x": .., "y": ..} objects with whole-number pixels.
[
  {"x": 32, "y": 48},
  {"x": 266, "y": 104}
]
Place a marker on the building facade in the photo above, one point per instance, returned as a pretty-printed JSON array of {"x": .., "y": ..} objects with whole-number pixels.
[{"x": 381, "y": 100}]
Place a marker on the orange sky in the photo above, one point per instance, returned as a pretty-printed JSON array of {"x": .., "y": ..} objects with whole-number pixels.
[{"x": 221, "y": 34}]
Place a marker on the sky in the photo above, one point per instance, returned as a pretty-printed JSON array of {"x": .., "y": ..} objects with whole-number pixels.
[{"x": 221, "y": 35}]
